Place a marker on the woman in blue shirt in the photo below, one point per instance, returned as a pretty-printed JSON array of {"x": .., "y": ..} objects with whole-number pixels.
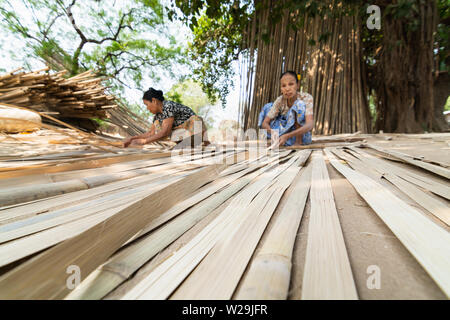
[{"x": 291, "y": 114}]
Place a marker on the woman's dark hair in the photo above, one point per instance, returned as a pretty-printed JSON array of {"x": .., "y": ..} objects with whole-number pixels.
[
  {"x": 152, "y": 93},
  {"x": 292, "y": 73}
]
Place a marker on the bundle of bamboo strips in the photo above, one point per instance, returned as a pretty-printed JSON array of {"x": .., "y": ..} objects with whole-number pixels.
[
  {"x": 130, "y": 122},
  {"x": 81, "y": 96}
]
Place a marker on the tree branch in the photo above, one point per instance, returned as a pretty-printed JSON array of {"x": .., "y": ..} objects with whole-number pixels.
[
  {"x": 72, "y": 21},
  {"x": 16, "y": 24},
  {"x": 46, "y": 31},
  {"x": 115, "y": 36}
]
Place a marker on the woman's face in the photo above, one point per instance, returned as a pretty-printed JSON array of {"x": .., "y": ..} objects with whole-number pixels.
[
  {"x": 151, "y": 105},
  {"x": 289, "y": 86}
]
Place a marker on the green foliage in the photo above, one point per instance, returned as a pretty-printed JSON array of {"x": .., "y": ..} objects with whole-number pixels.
[
  {"x": 100, "y": 122},
  {"x": 447, "y": 104},
  {"x": 443, "y": 35},
  {"x": 121, "y": 42},
  {"x": 372, "y": 109},
  {"x": 217, "y": 28},
  {"x": 190, "y": 93}
]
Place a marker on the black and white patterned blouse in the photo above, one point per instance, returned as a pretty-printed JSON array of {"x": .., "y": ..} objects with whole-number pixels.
[{"x": 179, "y": 112}]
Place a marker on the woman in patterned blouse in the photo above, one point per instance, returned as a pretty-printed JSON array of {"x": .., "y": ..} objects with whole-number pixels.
[
  {"x": 291, "y": 114},
  {"x": 172, "y": 120}
]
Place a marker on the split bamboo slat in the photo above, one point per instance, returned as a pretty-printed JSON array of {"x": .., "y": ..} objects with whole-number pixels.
[
  {"x": 227, "y": 260},
  {"x": 194, "y": 224},
  {"x": 72, "y": 206},
  {"x": 10, "y": 196},
  {"x": 444, "y": 172},
  {"x": 161, "y": 282},
  {"x": 36, "y": 279},
  {"x": 420, "y": 180},
  {"x": 202, "y": 194},
  {"x": 64, "y": 201},
  {"x": 318, "y": 146},
  {"x": 327, "y": 273},
  {"x": 269, "y": 275},
  {"x": 424, "y": 239},
  {"x": 123, "y": 264},
  {"x": 438, "y": 208},
  {"x": 50, "y": 219},
  {"x": 74, "y": 224},
  {"x": 76, "y": 164}
]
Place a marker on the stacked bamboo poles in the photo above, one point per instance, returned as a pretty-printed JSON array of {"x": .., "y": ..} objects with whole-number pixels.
[
  {"x": 81, "y": 96},
  {"x": 332, "y": 69},
  {"x": 129, "y": 122}
]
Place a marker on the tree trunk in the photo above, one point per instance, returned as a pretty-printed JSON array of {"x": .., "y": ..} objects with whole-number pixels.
[
  {"x": 405, "y": 100},
  {"x": 441, "y": 94}
]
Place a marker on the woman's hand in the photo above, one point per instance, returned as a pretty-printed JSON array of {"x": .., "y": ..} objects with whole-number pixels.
[
  {"x": 280, "y": 141},
  {"x": 138, "y": 142},
  {"x": 283, "y": 140},
  {"x": 266, "y": 125},
  {"x": 127, "y": 142}
]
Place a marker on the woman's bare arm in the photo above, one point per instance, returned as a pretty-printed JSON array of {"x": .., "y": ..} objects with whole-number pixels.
[
  {"x": 166, "y": 130},
  {"x": 266, "y": 124},
  {"x": 141, "y": 136},
  {"x": 309, "y": 124}
]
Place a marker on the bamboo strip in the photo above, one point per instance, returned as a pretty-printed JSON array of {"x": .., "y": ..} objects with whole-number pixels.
[
  {"x": 21, "y": 194},
  {"x": 167, "y": 276},
  {"x": 419, "y": 180},
  {"x": 444, "y": 172},
  {"x": 23, "y": 247},
  {"x": 178, "y": 208},
  {"x": 63, "y": 201},
  {"x": 65, "y": 214},
  {"x": 78, "y": 165},
  {"x": 318, "y": 145},
  {"x": 437, "y": 208},
  {"x": 327, "y": 273},
  {"x": 217, "y": 276},
  {"x": 426, "y": 241},
  {"x": 28, "y": 193},
  {"x": 91, "y": 248},
  {"x": 122, "y": 265},
  {"x": 269, "y": 274}
]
